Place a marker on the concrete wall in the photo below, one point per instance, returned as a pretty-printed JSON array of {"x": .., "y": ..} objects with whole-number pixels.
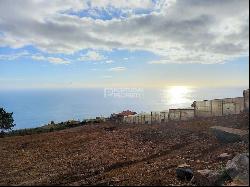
[
  {"x": 147, "y": 118},
  {"x": 141, "y": 119},
  {"x": 187, "y": 114},
  {"x": 174, "y": 115},
  {"x": 125, "y": 119},
  {"x": 155, "y": 117},
  {"x": 216, "y": 107},
  {"x": 246, "y": 99},
  {"x": 164, "y": 116},
  {"x": 239, "y": 104},
  {"x": 206, "y": 108},
  {"x": 202, "y": 108},
  {"x": 228, "y": 106},
  {"x": 138, "y": 119},
  {"x": 130, "y": 119},
  {"x": 180, "y": 114},
  {"x": 134, "y": 119},
  {"x": 233, "y": 105},
  {"x": 219, "y": 107}
]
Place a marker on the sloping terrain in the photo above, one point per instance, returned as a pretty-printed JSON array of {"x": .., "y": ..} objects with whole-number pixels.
[{"x": 112, "y": 154}]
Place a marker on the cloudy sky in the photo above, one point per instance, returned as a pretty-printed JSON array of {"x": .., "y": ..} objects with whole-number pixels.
[{"x": 125, "y": 43}]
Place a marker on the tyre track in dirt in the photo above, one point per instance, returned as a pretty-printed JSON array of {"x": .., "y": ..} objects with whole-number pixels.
[{"x": 119, "y": 165}]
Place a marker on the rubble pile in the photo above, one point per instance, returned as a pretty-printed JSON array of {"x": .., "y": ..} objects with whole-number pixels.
[{"x": 111, "y": 154}]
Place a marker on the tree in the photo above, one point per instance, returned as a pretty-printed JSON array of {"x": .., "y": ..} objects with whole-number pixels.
[{"x": 6, "y": 120}]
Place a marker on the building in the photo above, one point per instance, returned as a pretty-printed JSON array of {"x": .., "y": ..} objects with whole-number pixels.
[
  {"x": 120, "y": 116},
  {"x": 130, "y": 119}
]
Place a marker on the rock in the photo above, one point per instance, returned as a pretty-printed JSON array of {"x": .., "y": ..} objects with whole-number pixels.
[
  {"x": 236, "y": 183},
  {"x": 238, "y": 168},
  {"x": 184, "y": 172},
  {"x": 227, "y": 135},
  {"x": 207, "y": 177},
  {"x": 224, "y": 156}
]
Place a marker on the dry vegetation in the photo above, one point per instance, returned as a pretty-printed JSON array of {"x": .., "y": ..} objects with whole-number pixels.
[{"x": 111, "y": 154}]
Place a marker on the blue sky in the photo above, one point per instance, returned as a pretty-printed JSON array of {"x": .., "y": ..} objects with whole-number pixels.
[{"x": 140, "y": 43}]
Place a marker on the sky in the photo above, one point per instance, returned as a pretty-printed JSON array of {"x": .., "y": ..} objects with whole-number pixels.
[{"x": 125, "y": 43}]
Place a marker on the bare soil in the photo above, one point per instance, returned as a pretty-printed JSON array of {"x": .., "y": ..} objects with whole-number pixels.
[{"x": 116, "y": 154}]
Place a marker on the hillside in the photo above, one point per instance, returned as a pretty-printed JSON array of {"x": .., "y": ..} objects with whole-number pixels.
[{"x": 112, "y": 154}]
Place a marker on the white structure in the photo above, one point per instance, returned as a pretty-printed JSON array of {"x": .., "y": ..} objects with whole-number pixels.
[
  {"x": 206, "y": 108},
  {"x": 155, "y": 117},
  {"x": 218, "y": 107},
  {"x": 233, "y": 105},
  {"x": 148, "y": 119},
  {"x": 164, "y": 116},
  {"x": 180, "y": 114}
]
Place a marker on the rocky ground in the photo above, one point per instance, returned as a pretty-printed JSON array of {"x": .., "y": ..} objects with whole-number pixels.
[{"x": 112, "y": 154}]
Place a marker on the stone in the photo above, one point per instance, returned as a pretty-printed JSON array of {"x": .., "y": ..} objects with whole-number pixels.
[
  {"x": 184, "y": 166},
  {"x": 184, "y": 172},
  {"x": 236, "y": 183},
  {"x": 207, "y": 177},
  {"x": 238, "y": 168},
  {"x": 228, "y": 135},
  {"x": 224, "y": 156}
]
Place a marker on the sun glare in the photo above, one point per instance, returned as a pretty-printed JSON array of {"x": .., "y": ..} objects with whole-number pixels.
[{"x": 176, "y": 95}]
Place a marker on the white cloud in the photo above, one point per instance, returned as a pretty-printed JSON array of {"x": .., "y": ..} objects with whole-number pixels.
[
  {"x": 57, "y": 60},
  {"x": 121, "y": 4},
  {"x": 117, "y": 69},
  {"x": 13, "y": 56},
  {"x": 109, "y": 61},
  {"x": 180, "y": 31},
  {"x": 53, "y": 60},
  {"x": 91, "y": 56},
  {"x": 38, "y": 57}
]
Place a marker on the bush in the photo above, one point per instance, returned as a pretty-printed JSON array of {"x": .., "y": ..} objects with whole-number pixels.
[{"x": 6, "y": 120}]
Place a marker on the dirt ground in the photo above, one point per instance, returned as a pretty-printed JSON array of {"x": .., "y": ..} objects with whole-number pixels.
[{"x": 112, "y": 154}]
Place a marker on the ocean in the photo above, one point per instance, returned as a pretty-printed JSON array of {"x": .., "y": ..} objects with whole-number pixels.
[{"x": 37, "y": 107}]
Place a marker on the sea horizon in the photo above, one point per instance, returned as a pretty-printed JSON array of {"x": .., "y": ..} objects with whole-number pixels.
[{"x": 37, "y": 107}]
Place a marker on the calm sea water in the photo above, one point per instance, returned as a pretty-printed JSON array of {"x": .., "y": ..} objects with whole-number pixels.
[{"x": 33, "y": 108}]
